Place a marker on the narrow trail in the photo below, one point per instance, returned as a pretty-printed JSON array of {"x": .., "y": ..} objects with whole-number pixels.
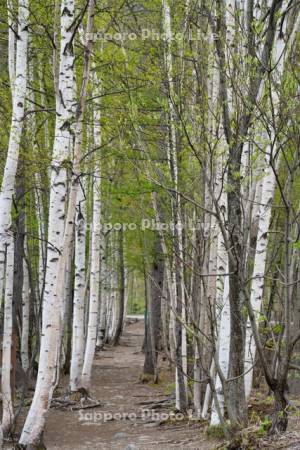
[{"x": 116, "y": 384}]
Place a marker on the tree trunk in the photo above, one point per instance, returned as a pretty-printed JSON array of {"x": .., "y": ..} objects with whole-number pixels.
[
  {"x": 265, "y": 212},
  {"x": 177, "y": 256},
  {"x": 7, "y": 399},
  {"x": 153, "y": 341},
  {"x": 25, "y": 319},
  {"x": 223, "y": 351},
  {"x": 10, "y": 170},
  {"x": 66, "y": 347},
  {"x": 94, "y": 301},
  {"x": 280, "y": 415},
  {"x": 79, "y": 291},
  {"x": 52, "y": 313},
  {"x": 121, "y": 309},
  {"x": 11, "y": 46},
  {"x": 102, "y": 319}
]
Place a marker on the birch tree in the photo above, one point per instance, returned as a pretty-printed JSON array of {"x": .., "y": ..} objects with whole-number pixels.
[
  {"x": 94, "y": 301},
  {"x": 18, "y": 79},
  {"x": 79, "y": 292},
  {"x": 196, "y": 125},
  {"x": 7, "y": 399},
  {"x": 25, "y": 318},
  {"x": 62, "y": 146},
  {"x": 236, "y": 249},
  {"x": 271, "y": 167},
  {"x": 179, "y": 308},
  {"x": 51, "y": 339}
]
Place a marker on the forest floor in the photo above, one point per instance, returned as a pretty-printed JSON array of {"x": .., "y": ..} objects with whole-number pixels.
[
  {"x": 116, "y": 385},
  {"x": 125, "y": 420}
]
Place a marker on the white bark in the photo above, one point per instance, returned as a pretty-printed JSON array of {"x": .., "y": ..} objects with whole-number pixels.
[
  {"x": 95, "y": 261},
  {"x": 109, "y": 306},
  {"x": 197, "y": 379},
  {"x": 25, "y": 319},
  {"x": 112, "y": 311},
  {"x": 223, "y": 350},
  {"x": 112, "y": 295},
  {"x": 281, "y": 51},
  {"x": 225, "y": 327},
  {"x": 11, "y": 47},
  {"x": 40, "y": 215},
  {"x": 213, "y": 183},
  {"x": 170, "y": 278},
  {"x": 19, "y": 92},
  {"x": 257, "y": 285},
  {"x": 176, "y": 204},
  {"x": 7, "y": 401},
  {"x": 62, "y": 148},
  {"x": 102, "y": 316},
  {"x": 208, "y": 396},
  {"x": 67, "y": 299},
  {"x": 18, "y": 80},
  {"x": 79, "y": 291},
  {"x": 172, "y": 161},
  {"x": 126, "y": 296},
  {"x": 51, "y": 337},
  {"x": 53, "y": 303},
  {"x": 222, "y": 324}
]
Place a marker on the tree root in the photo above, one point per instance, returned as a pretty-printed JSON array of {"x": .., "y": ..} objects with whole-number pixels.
[{"x": 76, "y": 401}]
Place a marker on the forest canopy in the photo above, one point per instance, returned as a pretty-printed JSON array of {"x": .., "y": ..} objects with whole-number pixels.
[{"x": 150, "y": 165}]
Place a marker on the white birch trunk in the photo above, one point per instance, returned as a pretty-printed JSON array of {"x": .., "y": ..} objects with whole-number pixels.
[
  {"x": 222, "y": 325},
  {"x": 102, "y": 319},
  {"x": 208, "y": 396},
  {"x": 67, "y": 300},
  {"x": 52, "y": 326},
  {"x": 40, "y": 215},
  {"x": 52, "y": 305},
  {"x": 257, "y": 285},
  {"x": 195, "y": 319},
  {"x": 112, "y": 301},
  {"x": 19, "y": 92},
  {"x": 109, "y": 306},
  {"x": 95, "y": 262},
  {"x": 25, "y": 319},
  {"x": 62, "y": 148},
  {"x": 170, "y": 277},
  {"x": 265, "y": 211},
  {"x": 211, "y": 232},
  {"x": 18, "y": 80},
  {"x": 223, "y": 351},
  {"x": 176, "y": 210},
  {"x": 197, "y": 379},
  {"x": 7, "y": 401},
  {"x": 79, "y": 291},
  {"x": 11, "y": 47},
  {"x": 171, "y": 144},
  {"x": 126, "y": 296},
  {"x": 113, "y": 307}
]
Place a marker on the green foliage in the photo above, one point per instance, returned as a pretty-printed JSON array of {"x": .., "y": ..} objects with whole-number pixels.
[
  {"x": 216, "y": 431},
  {"x": 264, "y": 425}
]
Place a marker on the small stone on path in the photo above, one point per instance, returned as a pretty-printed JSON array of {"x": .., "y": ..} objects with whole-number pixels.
[
  {"x": 131, "y": 447},
  {"x": 120, "y": 435}
]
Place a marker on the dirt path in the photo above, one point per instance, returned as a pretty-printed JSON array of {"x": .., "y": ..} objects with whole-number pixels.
[{"x": 116, "y": 385}]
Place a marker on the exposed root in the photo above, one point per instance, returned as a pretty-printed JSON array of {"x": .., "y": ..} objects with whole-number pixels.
[
  {"x": 93, "y": 404},
  {"x": 76, "y": 401}
]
